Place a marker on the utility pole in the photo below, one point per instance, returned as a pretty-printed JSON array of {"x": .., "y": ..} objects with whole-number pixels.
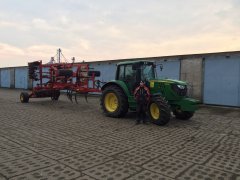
[{"x": 59, "y": 55}]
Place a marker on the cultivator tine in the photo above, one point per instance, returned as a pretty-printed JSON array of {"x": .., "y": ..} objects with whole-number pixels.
[
  {"x": 86, "y": 97},
  {"x": 80, "y": 94},
  {"x": 76, "y": 98},
  {"x": 69, "y": 95}
]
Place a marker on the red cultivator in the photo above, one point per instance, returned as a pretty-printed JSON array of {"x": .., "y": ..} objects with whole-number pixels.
[{"x": 76, "y": 79}]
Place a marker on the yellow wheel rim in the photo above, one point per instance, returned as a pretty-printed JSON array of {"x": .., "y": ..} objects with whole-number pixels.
[
  {"x": 21, "y": 98},
  {"x": 154, "y": 110},
  {"x": 111, "y": 102}
]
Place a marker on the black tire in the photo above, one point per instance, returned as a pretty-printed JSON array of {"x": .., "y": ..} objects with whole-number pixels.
[
  {"x": 122, "y": 107},
  {"x": 55, "y": 95},
  {"x": 24, "y": 97},
  {"x": 96, "y": 73},
  {"x": 163, "y": 111},
  {"x": 183, "y": 115}
]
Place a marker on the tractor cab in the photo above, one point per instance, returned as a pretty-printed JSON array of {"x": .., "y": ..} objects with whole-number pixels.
[
  {"x": 133, "y": 72},
  {"x": 167, "y": 95}
]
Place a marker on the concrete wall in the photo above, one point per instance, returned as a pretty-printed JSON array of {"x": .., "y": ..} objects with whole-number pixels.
[
  {"x": 213, "y": 78},
  {"x": 191, "y": 72}
]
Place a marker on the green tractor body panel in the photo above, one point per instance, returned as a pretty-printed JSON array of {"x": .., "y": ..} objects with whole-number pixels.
[
  {"x": 162, "y": 87},
  {"x": 130, "y": 73},
  {"x": 175, "y": 93}
]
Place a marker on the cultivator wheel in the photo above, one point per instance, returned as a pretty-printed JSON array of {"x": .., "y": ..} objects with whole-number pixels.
[
  {"x": 55, "y": 95},
  {"x": 114, "y": 102},
  {"x": 159, "y": 111},
  {"x": 24, "y": 97}
]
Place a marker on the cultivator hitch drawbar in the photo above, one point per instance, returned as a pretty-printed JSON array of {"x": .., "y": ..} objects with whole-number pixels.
[{"x": 76, "y": 79}]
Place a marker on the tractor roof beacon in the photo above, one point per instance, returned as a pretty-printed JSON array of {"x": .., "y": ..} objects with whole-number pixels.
[{"x": 167, "y": 95}]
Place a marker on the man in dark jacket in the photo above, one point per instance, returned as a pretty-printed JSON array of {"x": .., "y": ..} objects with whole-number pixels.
[{"x": 142, "y": 96}]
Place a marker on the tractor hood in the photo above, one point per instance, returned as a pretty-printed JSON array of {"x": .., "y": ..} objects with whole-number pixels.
[{"x": 168, "y": 81}]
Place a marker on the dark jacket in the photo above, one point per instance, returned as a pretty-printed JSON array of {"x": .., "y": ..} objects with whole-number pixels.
[{"x": 142, "y": 94}]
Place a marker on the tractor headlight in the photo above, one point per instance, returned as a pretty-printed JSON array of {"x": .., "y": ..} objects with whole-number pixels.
[
  {"x": 180, "y": 90},
  {"x": 180, "y": 86}
]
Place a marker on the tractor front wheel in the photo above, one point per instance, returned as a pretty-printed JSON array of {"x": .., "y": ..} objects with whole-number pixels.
[
  {"x": 24, "y": 97},
  {"x": 183, "y": 115},
  {"x": 159, "y": 111},
  {"x": 114, "y": 102}
]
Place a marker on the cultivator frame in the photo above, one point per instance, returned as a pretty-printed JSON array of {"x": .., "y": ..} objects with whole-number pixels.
[{"x": 52, "y": 78}]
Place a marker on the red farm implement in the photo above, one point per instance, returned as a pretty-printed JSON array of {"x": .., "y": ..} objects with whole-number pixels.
[{"x": 49, "y": 79}]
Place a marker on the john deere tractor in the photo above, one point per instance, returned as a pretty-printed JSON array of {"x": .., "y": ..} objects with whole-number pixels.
[{"x": 167, "y": 95}]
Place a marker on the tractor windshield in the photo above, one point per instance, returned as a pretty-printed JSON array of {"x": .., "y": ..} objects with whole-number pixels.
[{"x": 147, "y": 72}]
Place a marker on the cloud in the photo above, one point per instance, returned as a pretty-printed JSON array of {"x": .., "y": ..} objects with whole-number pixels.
[{"x": 98, "y": 30}]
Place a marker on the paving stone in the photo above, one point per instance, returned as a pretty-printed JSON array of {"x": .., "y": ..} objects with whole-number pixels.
[
  {"x": 136, "y": 156},
  {"x": 231, "y": 141},
  {"x": 20, "y": 166},
  {"x": 199, "y": 172},
  {"x": 204, "y": 146},
  {"x": 226, "y": 163},
  {"x": 164, "y": 148},
  {"x": 6, "y": 144},
  {"x": 167, "y": 166},
  {"x": 193, "y": 155},
  {"x": 209, "y": 137},
  {"x": 112, "y": 170},
  {"x": 2, "y": 178},
  {"x": 61, "y": 153},
  {"x": 55, "y": 172},
  {"x": 63, "y": 131},
  {"x": 148, "y": 175},
  {"x": 112, "y": 148},
  {"x": 233, "y": 151},
  {"x": 85, "y": 160},
  {"x": 13, "y": 154},
  {"x": 85, "y": 177}
]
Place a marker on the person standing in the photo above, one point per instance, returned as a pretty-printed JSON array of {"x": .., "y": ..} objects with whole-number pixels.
[{"x": 142, "y": 96}]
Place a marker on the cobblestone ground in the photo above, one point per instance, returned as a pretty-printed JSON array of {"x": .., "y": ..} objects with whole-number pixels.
[{"x": 62, "y": 140}]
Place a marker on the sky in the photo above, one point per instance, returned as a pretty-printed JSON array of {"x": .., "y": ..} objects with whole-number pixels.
[{"x": 94, "y": 30}]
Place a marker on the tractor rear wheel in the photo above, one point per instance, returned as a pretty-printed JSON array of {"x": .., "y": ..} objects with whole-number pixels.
[
  {"x": 24, "y": 97},
  {"x": 183, "y": 115},
  {"x": 114, "y": 102},
  {"x": 159, "y": 111}
]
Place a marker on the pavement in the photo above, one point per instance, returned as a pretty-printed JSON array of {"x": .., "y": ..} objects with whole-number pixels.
[{"x": 47, "y": 139}]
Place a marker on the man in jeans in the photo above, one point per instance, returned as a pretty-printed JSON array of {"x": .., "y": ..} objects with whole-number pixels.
[{"x": 142, "y": 96}]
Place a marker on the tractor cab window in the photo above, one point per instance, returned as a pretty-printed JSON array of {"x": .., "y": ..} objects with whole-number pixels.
[
  {"x": 147, "y": 72},
  {"x": 130, "y": 74},
  {"x": 121, "y": 73},
  {"x": 126, "y": 73}
]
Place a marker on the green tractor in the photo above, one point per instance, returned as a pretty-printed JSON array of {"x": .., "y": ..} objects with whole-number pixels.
[{"x": 167, "y": 95}]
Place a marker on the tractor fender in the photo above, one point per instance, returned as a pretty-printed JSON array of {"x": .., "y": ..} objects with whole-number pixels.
[{"x": 120, "y": 84}]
